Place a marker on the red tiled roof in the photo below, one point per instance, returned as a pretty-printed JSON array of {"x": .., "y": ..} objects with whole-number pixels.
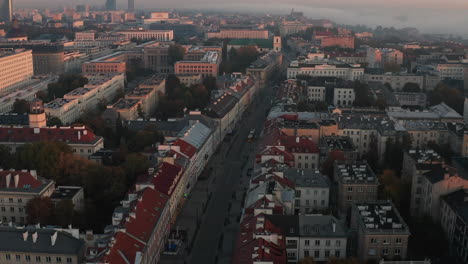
[
  {"x": 185, "y": 147},
  {"x": 298, "y": 144},
  {"x": 138, "y": 229},
  {"x": 167, "y": 177},
  {"x": 25, "y": 180},
  {"x": 74, "y": 135}
]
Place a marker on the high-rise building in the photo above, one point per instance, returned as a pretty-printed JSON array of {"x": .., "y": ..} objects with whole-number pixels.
[
  {"x": 131, "y": 5},
  {"x": 111, "y": 5},
  {"x": 6, "y": 10}
]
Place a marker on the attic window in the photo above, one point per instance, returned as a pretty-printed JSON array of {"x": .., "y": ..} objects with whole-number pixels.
[{"x": 27, "y": 186}]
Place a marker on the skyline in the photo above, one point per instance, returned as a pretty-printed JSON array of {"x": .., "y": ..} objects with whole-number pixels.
[{"x": 365, "y": 12}]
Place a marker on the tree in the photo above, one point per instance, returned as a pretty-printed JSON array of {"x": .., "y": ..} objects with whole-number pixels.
[
  {"x": 343, "y": 261},
  {"x": 411, "y": 87},
  {"x": 134, "y": 165},
  {"x": 397, "y": 190},
  {"x": 425, "y": 244},
  {"x": 141, "y": 114},
  {"x": 451, "y": 96},
  {"x": 175, "y": 53},
  {"x": 42, "y": 95},
  {"x": 40, "y": 210},
  {"x": 64, "y": 212},
  {"x": 54, "y": 121},
  {"x": 20, "y": 106},
  {"x": 363, "y": 95}
]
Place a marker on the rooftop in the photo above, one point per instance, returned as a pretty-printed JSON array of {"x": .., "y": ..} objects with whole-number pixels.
[
  {"x": 379, "y": 216},
  {"x": 424, "y": 155},
  {"x": 69, "y": 135},
  {"x": 65, "y": 192},
  {"x": 337, "y": 143},
  {"x": 355, "y": 172},
  {"x": 124, "y": 103},
  {"x": 307, "y": 178},
  {"x": 58, "y": 103}
]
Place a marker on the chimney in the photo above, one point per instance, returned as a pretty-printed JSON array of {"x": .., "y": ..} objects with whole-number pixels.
[
  {"x": 53, "y": 238},
  {"x": 16, "y": 180},
  {"x": 79, "y": 135},
  {"x": 25, "y": 236},
  {"x": 33, "y": 173},
  {"x": 334, "y": 226},
  {"x": 8, "y": 180},
  {"x": 34, "y": 237}
]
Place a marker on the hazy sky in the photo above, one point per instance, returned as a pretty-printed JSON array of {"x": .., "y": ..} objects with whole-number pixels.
[{"x": 434, "y": 16}]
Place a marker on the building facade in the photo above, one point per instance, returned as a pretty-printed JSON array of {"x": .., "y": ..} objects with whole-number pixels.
[{"x": 16, "y": 68}]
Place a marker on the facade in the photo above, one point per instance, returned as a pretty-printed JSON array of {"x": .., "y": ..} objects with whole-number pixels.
[
  {"x": 73, "y": 193},
  {"x": 411, "y": 99},
  {"x": 67, "y": 110},
  {"x": 16, "y": 68},
  {"x": 159, "y": 35},
  {"x": 239, "y": 34},
  {"x": 329, "y": 68},
  {"x": 381, "y": 231},
  {"x": 343, "y": 96},
  {"x": 190, "y": 79},
  {"x": 378, "y": 58},
  {"x": 40, "y": 245},
  {"x": 16, "y": 189},
  {"x": 396, "y": 80},
  {"x": 345, "y": 42},
  {"x": 265, "y": 67},
  {"x": 316, "y": 93},
  {"x": 312, "y": 190},
  {"x": 156, "y": 57},
  {"x": 356, "y": 183},
  {"x": 128, "y": 108},
  {"x": 208, "y": 65}
]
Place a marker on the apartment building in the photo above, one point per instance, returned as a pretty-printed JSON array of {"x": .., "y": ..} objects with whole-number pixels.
[
  {"x": 239, "y": 34},
  {"x": 378, "y": 58},
  {"x": 381, "y": 233},
  {"x": 356, "y": 183},
  {"x": 159, "y": 35},
  {"x": 312, "y": 190},
  {"x": 265, "y": 67},
  {"x": 325, "y": 68},
  {"x": 156, "y": 56},
  {"x": 343, "y": 96},
  {"x": 423, "y": 132},
  {"x": 128, "y": 109},
  {"x": 316, "y": 93},
  {"x": 16, "y": 68},
  {"x": 396, "y": 80},
  {"x": 190, "y": 79},
  {"x": 22, "y": 245},
  {"x": 341, "y": 144},
  {"x": 342, "y": 41},
  {"x": 67, "y": 110},
  {"x": 208, "y": 65},
  {"x": 16, "y": 189}
]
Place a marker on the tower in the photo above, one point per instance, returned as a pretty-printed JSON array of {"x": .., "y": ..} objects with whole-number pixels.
[
  {"x": 37, "y": 116},
  {"x": 277, "y": 43},
  {"x": 131, "y": 5},
  {"x": 111, "y": 5},
  {"x": 6, "y": 11}
]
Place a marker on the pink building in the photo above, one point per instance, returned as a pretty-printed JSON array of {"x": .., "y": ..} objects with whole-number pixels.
[
  {"x": 208, "y": 65},
  {"x": 346, "y": 42}
]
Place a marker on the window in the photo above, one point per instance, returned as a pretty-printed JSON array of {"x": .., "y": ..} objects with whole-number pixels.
[
  {"x": 317, "y": 242},
  {"x": 327, "y": 243},
  {"x": 307, "y": 242},
  {"x": 372, "y": 252},
  {"x": 306, "y": 253},
  {"x": 3, "y": 209},
  {"x": 385, "y": 251},
  {"x": 59, "y": 260},
  {"x": 10, "y": 200},
  {"x": 327, "y": 253},
  {"x": 350, "y": 189},
  {"x": 20, "y": 200},
  {"x": 350, "y": 198},
  {"x": 397, "y": 251},
  {"x": 337, "y": 253},
  {"x": 28, "y": 258},
  {"x": 12, "y": 209},
  {"x": 385, "y": 242},
  {"x": 373, "y": 240},
  {"x": 38, "y": 258},
  {"x": 398, "y": 240},
  {"x": 7, "y": 257},
  {"x": 18, "y": 258},
  {"x": 48, "y": 259},
  {"x": 338, "y": 243},
  {"x": 316, "y": 253}
]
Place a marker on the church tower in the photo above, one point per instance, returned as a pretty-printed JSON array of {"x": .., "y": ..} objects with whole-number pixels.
[
  {"x": 277, "y": 43},
  {"x": 37, "y": 116}
]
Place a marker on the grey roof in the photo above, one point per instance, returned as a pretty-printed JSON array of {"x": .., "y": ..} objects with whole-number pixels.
[
  {"x": 320, "y": 226},
  {"x": 354, "y": 172},
  {"x": 195, "y": 134},
  {"x": 377, "y": 216},
  {"x": 289, "y": 224},
  {"x": 14, "y": 119},
  {"x": 65, "y": 192},
  {"x": 307, "y": 178},
  {"x": 11, "y": 240},
  {"x": 222, "y": 106}
]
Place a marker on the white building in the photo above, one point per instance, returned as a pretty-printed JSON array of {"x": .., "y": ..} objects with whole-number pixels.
[
  {"x": 325, "y": 68},
  {"x": 316, "y": 93},
  {"x": 343, "y": 96},
  {"x": 160, "y": 35},
  {"x": 16, "y": 68},
  {"x": 378, "y": 58},
  {"x": 396, "y": 80},
  {"x": 67, "y": 110}
]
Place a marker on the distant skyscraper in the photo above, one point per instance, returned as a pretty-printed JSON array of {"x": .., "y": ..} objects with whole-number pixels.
[
  {"x": 111, "y": 5},
  {"x": 131, "y": 5},
  {"x": 6, "y": 10}
]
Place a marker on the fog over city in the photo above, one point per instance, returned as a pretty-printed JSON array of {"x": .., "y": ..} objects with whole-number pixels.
[{"x": 396, "y": 13}]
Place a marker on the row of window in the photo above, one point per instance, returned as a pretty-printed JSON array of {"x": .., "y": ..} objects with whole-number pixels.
[
  {"x": 38, "y": 259},
  {"x": 386, "y": 241},
  {"x": 326, "y": 253},
  {"x": 11, "y": 200},
  {"x": 12, "y": 209},
  {"x": 385, "y": 252},
  {"x": 327, "y": 242}
]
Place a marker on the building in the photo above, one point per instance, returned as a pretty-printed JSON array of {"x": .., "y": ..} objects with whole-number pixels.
[
  {"x": 343, "y": 96},
  {"x": 6, "y": 11},
  {"x": 208, "y": 65},
  {"x": 128, "y": 109},
  {"x": 148, "y": 100},
  {"x": 16, "y": 68},
  {"x": 16, "y": 189},
  {"x": 40, "y": 245},
  {"x": 73, "y": 193},
  {"x": 111, "y": 5},
  {"x": 81, "y": 140},
  {"x": 356, "y": 183},
  {"x": 378, "y": 58},
  {"x": 131, "y": 5},
  {"x": 265, "y": 67},
  {"x": 156, "y": 56},
  {"x": 112, "y": 63},
  {"x": 345, "y": 42},
  {"x": 411, "y": 99},
  {"x": 424, "y": 132},
  {"x": 337, "y": 144},
  {"x": 140, "y": 34},
  {"x": 348, "y": 57},
  {"x": 67, "y": 110},
  {"x": 239, "y": 34},
  {"x": 261, "y": 45},
  {"x": 312, "y": 190},
  {"x": 316, "y": 93},
  {"x": 190, "y": 79},
  {"x": 325, "y": 68},
  {"x": 454, "y": 222},
  {"x": 381, "y": 233}
]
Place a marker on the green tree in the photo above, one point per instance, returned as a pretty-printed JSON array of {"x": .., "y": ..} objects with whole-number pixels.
[
  {"x": 363, "y": 95},
  {"x": 40, "y": 210},
  {"x": 64, "y": 212},
  {"x": 134, "y": 165},
  {"x": 451, "y": 96},
  {"x": 7, "y": 159},
  {"x": 175, "y": 53},
  {"x": 54, "y": 121},
  {"x": 20, "y": 106}
]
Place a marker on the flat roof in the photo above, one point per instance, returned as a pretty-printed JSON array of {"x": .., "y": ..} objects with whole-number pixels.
[
  {"x": 358, "y": 172},
  {"x": 380, "y": 216}
]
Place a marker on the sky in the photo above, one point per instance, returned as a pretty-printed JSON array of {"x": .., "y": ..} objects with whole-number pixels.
[{"x": 429, "y": 16}]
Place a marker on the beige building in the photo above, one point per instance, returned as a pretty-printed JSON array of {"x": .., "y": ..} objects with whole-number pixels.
[
  {"x": 265, "y": 67},
  {"x": 381, "y": 231},
  {"x": 356, "y": 183},
  {"x": 190, "y": 79},
  {"x": 396, "y": 80},
  {"x": 40, "y": 245},
  {"x": 160, "y": 35},
  {"x": 67, "y": 110},
  {"x": 128, "y": 108},
  {"x": 208, "y": 65},
  {"x": 378, "y": 58},
  {"x": 239, "y": 34},
  {"x": 16, "y": 68},
  {"x": 16, "y": 189},
  {"x": 156, "y": 56}
]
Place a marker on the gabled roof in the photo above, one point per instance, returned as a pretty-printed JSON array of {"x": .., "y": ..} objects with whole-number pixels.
[
  {"x": 185, "y": 148},
  {"x": 26, "y": 182},
  {"x": 72, "y": 135},
  {"x": 167, "y": 177}
]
